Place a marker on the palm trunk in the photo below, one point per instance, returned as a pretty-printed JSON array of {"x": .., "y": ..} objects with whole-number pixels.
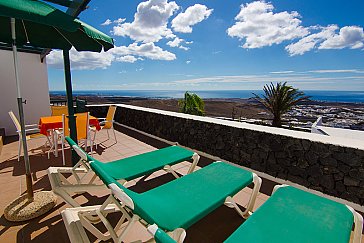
[{"x": 277, "y": 121}]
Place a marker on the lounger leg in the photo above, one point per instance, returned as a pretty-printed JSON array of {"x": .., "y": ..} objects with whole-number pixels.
[
  {"x": 65, "y": 196},
  {"x": 133, "y": 220},
  {"x": 169, "y": 169},
  {"x": 195, "y": 159},
  {"x": 249, "y": 208},
  {"x": 257, "y": 183},
  {"x": 85, "y": 217}
]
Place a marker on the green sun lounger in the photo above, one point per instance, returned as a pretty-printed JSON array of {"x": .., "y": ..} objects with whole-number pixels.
[
  {"x": 178, "y": 204},
  {"x": 122, "y": 170},
  {"x": 293, "y": 215}
]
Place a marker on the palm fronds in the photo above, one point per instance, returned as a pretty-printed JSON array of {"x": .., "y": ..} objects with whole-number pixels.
[
  {"x": 192, "y": 104},
  {"x": 280, "y": 98}
]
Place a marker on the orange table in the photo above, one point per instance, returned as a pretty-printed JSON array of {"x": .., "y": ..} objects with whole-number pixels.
[{"x": 55, "y": 122}]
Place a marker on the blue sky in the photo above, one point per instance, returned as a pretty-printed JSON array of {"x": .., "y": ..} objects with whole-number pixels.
[{"x": 220, "y": 45}]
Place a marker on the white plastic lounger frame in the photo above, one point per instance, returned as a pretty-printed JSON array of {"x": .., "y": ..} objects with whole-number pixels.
[
  {"x": 257, "y": 181},
  {"x": 358, "y": 220},
  {"x": 86, "y": 178},
  {"x": 81, "y": 171},
  {"x": 126, "y": 205}
]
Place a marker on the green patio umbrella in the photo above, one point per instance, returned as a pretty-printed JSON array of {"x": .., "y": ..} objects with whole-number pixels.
[
  {"x": 35, "y": 23},
  {"x": 42, "y": 25}
]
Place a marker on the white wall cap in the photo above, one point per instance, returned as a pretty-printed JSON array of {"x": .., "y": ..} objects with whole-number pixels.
[{"x": 339, "y": 141}]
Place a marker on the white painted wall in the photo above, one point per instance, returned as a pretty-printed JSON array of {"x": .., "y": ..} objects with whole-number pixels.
[{"x": 34, "y": 88}]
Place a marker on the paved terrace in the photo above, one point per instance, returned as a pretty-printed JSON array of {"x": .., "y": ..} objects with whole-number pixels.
[{"x": 214, "y": 228}]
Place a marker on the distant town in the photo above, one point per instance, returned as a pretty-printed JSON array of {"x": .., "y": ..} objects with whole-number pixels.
[{"x": 342, "y": 117}]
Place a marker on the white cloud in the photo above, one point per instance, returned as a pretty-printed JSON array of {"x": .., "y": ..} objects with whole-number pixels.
[
  {"x": 183, "y": 22},
  {"x": 81, "y": 60},
  {"x": 177, "y": 43},
  {"x": 116, "y": 21},
  {"x": 259, "y": 26},
  {"x": 310, "y": 42},
  {"x": 261, "y": 79},
  {"x": 119, "y": 21},
  {"x": 282, "y": 72},
  {"x": 92, "y": 60},
  {"x": 127, "y": 58},
  {"x": 150, "y": 21},
  {"x": 107, "y": 22},
  {"x": 184, "y": 48},
  {"x": 147, "y": 50},
  {"x": 336, "y": 71},
  {"x": 188, "y": 62},
  {"x": 348, "y": 37}
]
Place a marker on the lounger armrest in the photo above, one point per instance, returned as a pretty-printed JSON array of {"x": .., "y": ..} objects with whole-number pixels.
[
  {"x": 159, "y": 235},
  {"x": 122, "y": 196}
]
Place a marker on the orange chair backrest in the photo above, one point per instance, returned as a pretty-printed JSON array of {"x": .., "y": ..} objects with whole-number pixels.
[
  {"x": 59, "y": 110},
  {"x": 82, "y": 125},
  {"x": 110, "y": 117}
]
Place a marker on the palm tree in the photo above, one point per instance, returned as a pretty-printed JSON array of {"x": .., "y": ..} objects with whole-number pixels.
[
  {"x": 280, "y": 98},
  {"x": 192, "y": 104}
]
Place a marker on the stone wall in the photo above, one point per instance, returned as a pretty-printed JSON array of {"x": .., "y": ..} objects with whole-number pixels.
[{"x": 334, "y": 169}]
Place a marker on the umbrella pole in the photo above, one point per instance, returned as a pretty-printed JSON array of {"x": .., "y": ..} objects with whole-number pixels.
[
  {"x": 71, "y": 112},
  {"x": 28, "y": 175}
]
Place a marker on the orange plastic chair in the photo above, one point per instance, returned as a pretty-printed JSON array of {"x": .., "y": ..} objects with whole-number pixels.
[
  {"x": 83, "y": 131},
  {"x": 108, "y": 122},
  {"x": 59, "y": 110}
]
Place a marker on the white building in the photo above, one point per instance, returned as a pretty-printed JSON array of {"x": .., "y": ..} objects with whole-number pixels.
[{"x": 34, "y": 87}]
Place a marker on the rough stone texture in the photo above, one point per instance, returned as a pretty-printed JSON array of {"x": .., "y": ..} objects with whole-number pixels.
[
  {"x": 332, "y": 169},
  {"x": 21, "y": 209}
]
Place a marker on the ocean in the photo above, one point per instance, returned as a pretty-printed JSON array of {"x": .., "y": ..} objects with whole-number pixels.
[{"x": 319, "y": 95}]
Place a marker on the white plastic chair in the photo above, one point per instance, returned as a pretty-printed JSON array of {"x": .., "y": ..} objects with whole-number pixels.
[{"x": 31, "y": 129}]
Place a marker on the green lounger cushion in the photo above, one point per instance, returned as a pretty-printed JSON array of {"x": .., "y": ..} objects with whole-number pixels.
[
  {"x": 143, "y": 164},
  {"x": 293, "y": 215},
  {"x": 182, "y": 202}
]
